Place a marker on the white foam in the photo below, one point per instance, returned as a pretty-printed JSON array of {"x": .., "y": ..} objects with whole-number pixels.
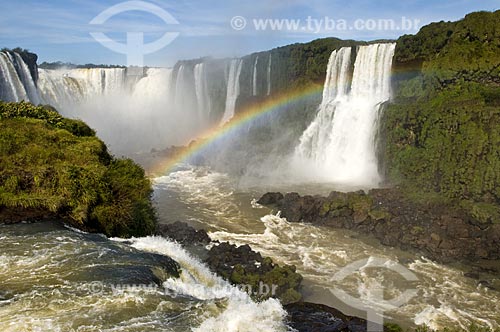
[
  {"x": 444, "y": 294},
  {"x": 241, "y": 313}
]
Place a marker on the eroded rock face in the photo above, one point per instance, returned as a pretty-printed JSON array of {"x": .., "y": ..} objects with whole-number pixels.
[{"x": 445, "y": 233}]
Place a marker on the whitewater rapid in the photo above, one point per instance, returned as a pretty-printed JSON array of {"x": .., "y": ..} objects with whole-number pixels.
[
  {"x": 214, "y": 201},
  {"x": 58, "y": 279}
]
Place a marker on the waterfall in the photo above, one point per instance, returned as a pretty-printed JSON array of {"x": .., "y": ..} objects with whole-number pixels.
[
  {"x": 155, "y": 84},
  {"x": 339, "y": 144},
  {"x": 64, "y": 88},
  {"x": 26, "y": 79},
  {"x": 201, "y": 89},
  {"x": 58, "y": 89},
  {"x": 269, "y": 74},
  {"x": 254, "y": 90},
  {"x": 12, "y": 80},
  {"x": 100, "y": 81},
  {"x": 233, "y": 89}
]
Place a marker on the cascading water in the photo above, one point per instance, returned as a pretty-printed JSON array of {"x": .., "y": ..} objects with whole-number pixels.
[
  {"x": 63, "y": 88},
  {"x": 269, "y": 74},
  {"x": 26, "y": 79},
  {"x": 154, "y": 85},
  {"x": 15, "y": 85},
  {"x": 254, "y": 76},
  {"x": 339, "y": 144},
  {"x": 201, "y": 88},
  {"x": 233, "y": 89}
]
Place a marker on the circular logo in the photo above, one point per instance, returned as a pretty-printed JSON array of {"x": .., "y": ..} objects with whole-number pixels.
[{"x": 238, "y": 23}]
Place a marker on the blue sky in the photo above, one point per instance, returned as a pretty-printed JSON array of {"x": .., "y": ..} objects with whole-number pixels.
[{"x": 60, "y": 29}]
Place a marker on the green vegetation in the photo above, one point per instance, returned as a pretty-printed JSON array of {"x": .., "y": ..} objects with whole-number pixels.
[
  {"x": 69, "y": 65},
  {"x": 293, "y": 66},
  {"x": 442, "y": 131},
  {"x": 55, "y": 164}
]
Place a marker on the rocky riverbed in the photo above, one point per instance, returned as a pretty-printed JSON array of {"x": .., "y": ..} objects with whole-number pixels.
[{"x": 243, "y": 266}]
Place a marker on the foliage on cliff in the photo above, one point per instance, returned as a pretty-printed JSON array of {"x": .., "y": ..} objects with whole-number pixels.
[
  {"x": 51, "y": 163},
  {"x": 442, "y": 130},
  {"x": 292, "y": 66}
]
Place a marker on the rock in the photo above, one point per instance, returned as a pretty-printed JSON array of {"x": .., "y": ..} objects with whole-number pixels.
[
  {"x": 436, "y": 238},
  {"x": 472, "y": 275},
  {"x": 379, "y": 214},
  {"x": 359, "y": 216},
  {"x": 270, "y": 199},
  {"x": 291, "y": 207},
  {"x": 19, "y": 214},
  {"x": 455, "y": 227},
  {"x": 440, "y": 231},
  {"x": 257, "y": 275},
  {"x": 487, "y": 284},
  {"x": 183, "y": 233},
  {"x": 311, "y": 317}
]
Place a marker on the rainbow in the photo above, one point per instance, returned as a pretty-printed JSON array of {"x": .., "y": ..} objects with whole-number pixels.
[{"x": 247, "y": 115}]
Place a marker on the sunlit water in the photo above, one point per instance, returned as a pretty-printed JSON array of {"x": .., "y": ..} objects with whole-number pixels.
[
  {"x": 220, "y": 204},
  {"x": 57, "y": 279},
  {"x": 53, "y": 278}
]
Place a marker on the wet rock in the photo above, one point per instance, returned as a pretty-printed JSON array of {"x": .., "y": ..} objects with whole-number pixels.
[
  {"x": 270, "y": 199},
  {"x": 291, "y": 207},
  {"x": 311, "y": 317},
  {"x": 441, "y": 232},
  {"x": 183, "y": 233},
  {"x": 472, "y": 275},
  {"x": 488, "y": 284},
  {"x": 256, "y": 274},
  {"x": 125, "y": 275}
]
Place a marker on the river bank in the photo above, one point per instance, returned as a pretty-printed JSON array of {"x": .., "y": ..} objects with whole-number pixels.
[{"x": 439, "y": 231}]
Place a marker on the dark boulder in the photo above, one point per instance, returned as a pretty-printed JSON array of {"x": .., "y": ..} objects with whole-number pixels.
[
  {"x": 312, "y": 317},
  {"x": 183, "y": 233},
  {"x": 256, "y": 274},
  {"x": 270, "y": 199}
]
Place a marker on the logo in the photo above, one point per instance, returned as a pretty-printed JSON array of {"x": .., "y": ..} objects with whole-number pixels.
[
  {"x": 135, "y": 48},
  {"x": 375, "y": 315}
]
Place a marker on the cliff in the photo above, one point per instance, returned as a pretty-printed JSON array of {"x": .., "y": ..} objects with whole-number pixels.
[{"x": 440, "y": 133}]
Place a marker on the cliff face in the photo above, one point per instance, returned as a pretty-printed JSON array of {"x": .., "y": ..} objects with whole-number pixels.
[{"x": 441, "y": 132}]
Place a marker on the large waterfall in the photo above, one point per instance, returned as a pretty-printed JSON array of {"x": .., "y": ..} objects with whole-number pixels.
[
  {"x": 160, "y": 108},
  {"x": 164, "y": 107},
  {"x": 64, "y": 88},
  {"x": 339, "y": 144}
]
